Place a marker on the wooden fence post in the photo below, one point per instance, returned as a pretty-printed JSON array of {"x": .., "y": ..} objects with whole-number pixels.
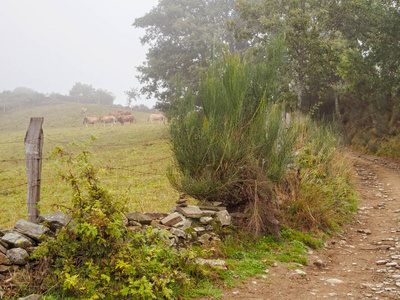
[{"x": 33, "y": 156}]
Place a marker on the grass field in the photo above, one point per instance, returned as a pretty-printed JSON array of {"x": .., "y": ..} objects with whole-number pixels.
[{"x": 134, "y": 156}]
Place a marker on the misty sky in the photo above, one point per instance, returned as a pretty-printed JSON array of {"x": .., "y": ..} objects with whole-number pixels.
[{"x": 48, "y": 45}]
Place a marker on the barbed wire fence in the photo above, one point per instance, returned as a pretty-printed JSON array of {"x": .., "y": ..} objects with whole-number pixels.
[{"x": 131, "y": 169}]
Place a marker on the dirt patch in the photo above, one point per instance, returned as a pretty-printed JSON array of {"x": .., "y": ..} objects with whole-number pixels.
[{"x": 362, "y": 263}]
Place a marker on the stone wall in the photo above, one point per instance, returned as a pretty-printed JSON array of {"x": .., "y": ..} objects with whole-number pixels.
[{"x": 187, "y": 224}]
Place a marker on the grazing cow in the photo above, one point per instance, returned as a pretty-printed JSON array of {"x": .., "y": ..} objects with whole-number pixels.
[
  {"x": 114, "y": 114},
  {"x": 157, "y": 118},
  {"x": 83, "y": 111},
  {"x": 90, "y": 120},
  {"x": 107, "y": 119},
  {"x": 125, "y": 112},
  {"x": 123, "y": 119}
]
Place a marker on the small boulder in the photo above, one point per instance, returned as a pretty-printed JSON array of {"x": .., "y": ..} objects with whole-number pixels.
[
  {"x": 139, "y": 217},
  {"x": 134, "y": 223},
  {"x": 205, "y": 238},
  {"x": 199, "y": 229},
  {"x": 224, "y": 217},
  {"x": 3, "y": 249},
  {"x": 17, "y": 240},
  {"x": 31, "y": 297},
  {"x": 4, "y": 260},
  {"x": 157, "y": 225},
  {"x": 56, "y": 220},
  {"x": 206, "y": 220},
  {"x": 334, "y": 281},
  {"x": 18, "y": 256},
  {"x": 190, "y": 211},
  {"x": 3, "y": 231},
  {"x": 172, "y": 219},
  {"x": 181, "y": 201},
  {"x": 216, "y": 263},
  {"x": 183, "y": 225},
  {"x": 3, "y": 244},
  {"x": 32, "y": 230},
  {"x": 209, "y": 213},
  {"x": 213, "y": 208},
  {"x": 178, "y": 232}
]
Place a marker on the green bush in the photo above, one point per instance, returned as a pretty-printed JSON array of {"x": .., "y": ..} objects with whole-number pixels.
[
  {"x": 236, "y": 145},
  {"x": 94, "y": 257}
]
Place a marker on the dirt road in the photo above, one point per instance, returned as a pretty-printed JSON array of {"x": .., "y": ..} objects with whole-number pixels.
[{"x": 362, "y": 263}]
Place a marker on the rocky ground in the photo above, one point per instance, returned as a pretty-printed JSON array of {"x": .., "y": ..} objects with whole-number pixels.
[{"x": 361, "y": 263}]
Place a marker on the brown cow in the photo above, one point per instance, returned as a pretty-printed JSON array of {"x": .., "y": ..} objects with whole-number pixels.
[
  {"x": 90, "y": 120},
  {"x": 157, "y": 118},
  {"x": 107, "y": 119},
  {"x": 123, "y": 119}
]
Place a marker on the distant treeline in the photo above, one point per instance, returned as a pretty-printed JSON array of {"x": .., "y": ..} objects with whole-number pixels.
[{"x": 80, "y": 93}]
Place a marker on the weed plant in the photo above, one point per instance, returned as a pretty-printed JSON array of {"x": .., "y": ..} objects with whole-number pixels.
[
  {"x": 319, "y": 194},
  {"x": 94, "y": 257}
]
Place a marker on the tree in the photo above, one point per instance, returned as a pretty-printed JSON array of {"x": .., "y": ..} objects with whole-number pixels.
[
  {"x": 312, "y": 41},
  {"x": 23, "y": 90},
  {"x": 181, "y": 35},
  {"x": 131, "y": 95},
  {"x": 370, "y": 68},
  {"x": 104, "y": 97},
  {"x": 88, "y": 94},
  {"x": 84, "y": 92}
]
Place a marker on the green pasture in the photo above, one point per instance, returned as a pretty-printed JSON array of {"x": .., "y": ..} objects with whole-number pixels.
[{"x": 134, "y": 158}]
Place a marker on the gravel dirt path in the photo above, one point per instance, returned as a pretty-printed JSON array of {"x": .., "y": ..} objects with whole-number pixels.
[{"x": 362, "y": 263}]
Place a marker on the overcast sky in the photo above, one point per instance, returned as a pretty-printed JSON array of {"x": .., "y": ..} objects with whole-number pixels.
[{"x": 48, "y": 45}]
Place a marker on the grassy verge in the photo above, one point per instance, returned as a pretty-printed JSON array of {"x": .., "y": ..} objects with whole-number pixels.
[{"x": 134, "y": 157}]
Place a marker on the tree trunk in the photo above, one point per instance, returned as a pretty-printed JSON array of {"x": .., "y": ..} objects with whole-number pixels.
[{"x": 337, "y": 110}]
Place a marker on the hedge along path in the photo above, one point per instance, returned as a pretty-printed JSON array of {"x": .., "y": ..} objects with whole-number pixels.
[{"x": 361, "y": 263}]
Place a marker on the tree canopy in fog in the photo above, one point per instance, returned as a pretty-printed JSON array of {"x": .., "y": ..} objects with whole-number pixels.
[
  {"x": 181, "y": 35},
  {"x": 86, "y": 93}
]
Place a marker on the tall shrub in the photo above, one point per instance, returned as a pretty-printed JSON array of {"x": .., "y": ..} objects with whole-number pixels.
[{"x": 235, "y": 144}]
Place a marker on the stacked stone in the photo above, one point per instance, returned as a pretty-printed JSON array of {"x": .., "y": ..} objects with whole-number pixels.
[
  {"x": 182, "y": 201},
  {"x": 187, "y": 224},
  {"x": 16, "y": 244},
  {"x": 195, "y": 224}
]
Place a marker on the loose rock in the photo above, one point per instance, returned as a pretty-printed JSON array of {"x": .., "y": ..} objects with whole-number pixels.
[
  {"x": 34, "y": 231},
  {"x": 190, "y": 211},
  {"x": 18, "y": 256},
  {"x": 16, "y": 240},
  {"x": 224, "y": 217},
  {"x": 172, "y": 219},
  {"x": 139, "y": 217},
  {"x": 56, "y": 220}
]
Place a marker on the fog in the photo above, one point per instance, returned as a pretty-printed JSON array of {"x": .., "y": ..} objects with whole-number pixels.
[{"x": 49, "y": 45}]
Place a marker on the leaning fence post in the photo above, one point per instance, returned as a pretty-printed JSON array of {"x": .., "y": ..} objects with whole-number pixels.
[{"x": 33, "y": 156}]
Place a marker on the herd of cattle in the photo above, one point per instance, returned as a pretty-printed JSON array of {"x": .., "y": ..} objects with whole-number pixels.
[{"x": 121, "y": 117}]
